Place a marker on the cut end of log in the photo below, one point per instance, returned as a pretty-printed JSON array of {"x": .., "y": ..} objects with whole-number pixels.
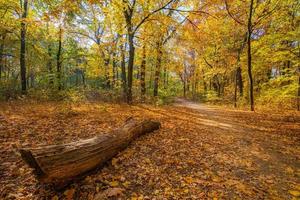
[{"x": 31, "y": 161}]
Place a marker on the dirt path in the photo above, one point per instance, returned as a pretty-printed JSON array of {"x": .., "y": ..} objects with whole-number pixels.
[
  {"x": 200, "y": 152},
  {"x": 270, "y": 157}
]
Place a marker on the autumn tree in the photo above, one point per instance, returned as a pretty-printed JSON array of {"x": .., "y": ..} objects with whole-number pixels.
[
  {"x": 24, "y": 6},
  {"x": 254, "y": 15}
]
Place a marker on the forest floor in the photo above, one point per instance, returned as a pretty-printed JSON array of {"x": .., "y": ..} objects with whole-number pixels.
[{"x": 200, "y": 152}]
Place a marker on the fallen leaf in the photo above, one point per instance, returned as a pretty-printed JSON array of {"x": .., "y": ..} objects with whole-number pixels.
[
  {"x": 114, "y": 183},
  {"x": 295, "y": 193},
  {"x": 189, "y": 180},
  {"x": 114, "y": 162},
  {"x": 126, "y": 184},
  {"x": 69, "y": 194},
  {"x": 54, "y": 197},
  {"x": 115, "y": 192},
  {"x": 110, "y": 192},
  {"x": 289, "y": 170}
]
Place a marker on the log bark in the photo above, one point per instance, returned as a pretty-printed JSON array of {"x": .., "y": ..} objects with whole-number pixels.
[{"x": 63, "y": 163}]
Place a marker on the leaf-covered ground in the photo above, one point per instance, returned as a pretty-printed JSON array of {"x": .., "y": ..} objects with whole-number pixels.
[{"x": 199, "y": 153}]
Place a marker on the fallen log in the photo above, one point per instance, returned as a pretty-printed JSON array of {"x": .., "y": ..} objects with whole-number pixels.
[{"x": 63, "y": 163}]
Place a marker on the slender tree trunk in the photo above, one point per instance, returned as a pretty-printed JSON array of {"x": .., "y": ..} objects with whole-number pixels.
[
  {"x": 58, "y": 59},
  {"x": 235, "y": 88},
  {"x": 188, "y": 85},
  {"x": 249, "y": 56},
  {"x": 83, "y": 79},
  {"x": 165, "y": 77},
  {"x": 184, "y": 88},
  {"x": 151, "y": 77},
  {"x": 8, "y": 69},
  {"x": 117, "y": 75},
  {"x": 195, "y": 84},
  {"x": 240, "y": 80},
  {"x": 143, "y": 74},
  {"x": 128, "y": 12},
  {"x": 32, "y": 79},
  {"x": 114, "y": 68},
  {"x": 23, "y": 47},
  {"x": 219, "y": 88},
  {"x": 130, "y": 65},
  {"x": 204, "y": 85},
  {"x": 157, "y": 69},
  {"x": 106, "y": 72},
  {"x": 50, "y": 65},
  {"x": 1, "y": 55},
  {"x": 123, "y": 73},
  {"x": 298, "y": 98}
]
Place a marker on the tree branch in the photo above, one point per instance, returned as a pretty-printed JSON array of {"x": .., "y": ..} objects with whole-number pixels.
[
  {"x": 150, "y": 14},
  {"x": 207, "y": 63},
  {"x": 231, "y": 15}
]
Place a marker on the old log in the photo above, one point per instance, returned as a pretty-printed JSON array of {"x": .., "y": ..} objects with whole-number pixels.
[{"x": 63, "y": 163}]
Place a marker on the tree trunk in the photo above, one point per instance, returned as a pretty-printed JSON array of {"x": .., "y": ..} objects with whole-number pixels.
[
  {"x": 23, "y": 47},
  {"x": 195, "y": 84},
  {"x": 59, "y": 164},
  {"x": 58, "y": 59},
  {"x": 157, "y": 69},
  {"x": 298, "y": 98},
  {"x": 49, "y": 63},
  {"x": 151, "y": 77},
  {"x": 106, "y": 71},
  {"x": 235, "y": 88},
  {"x": 184, "y": 88},
  {"x": 1, "y": 54},
  {"x": 143, "y": 74},
  {"x": 114, "y": 69},
  {"x": 123, "y": 69},
  {"x": 240, "y": 80},
  {"x": 32, "y": 79},
  {"x": 165, "y": 77},
  {"x": 83, "y": 79},
  {"x": 249, "y": 56},
  {"x": 130, "y": 66}
]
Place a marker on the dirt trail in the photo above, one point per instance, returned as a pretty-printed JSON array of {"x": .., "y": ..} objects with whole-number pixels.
[{"x": 260, "y": 141}]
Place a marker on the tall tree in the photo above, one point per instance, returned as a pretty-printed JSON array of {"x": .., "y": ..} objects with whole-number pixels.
[
  {"x": 143, "y": 73},
  {"x": 249, "y": 55},
  {"x": 157, "y": 67},
  {"x": 23, "y": 45},
  {"x": 58, "y": 58},
  {"x": 265, "y": 9}
]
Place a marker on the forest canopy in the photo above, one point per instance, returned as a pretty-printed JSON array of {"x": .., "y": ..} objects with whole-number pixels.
[{"x": 242, "y": 53}]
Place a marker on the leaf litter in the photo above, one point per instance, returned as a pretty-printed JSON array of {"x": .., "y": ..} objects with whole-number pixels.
[{"x": 256, "y": 157}]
